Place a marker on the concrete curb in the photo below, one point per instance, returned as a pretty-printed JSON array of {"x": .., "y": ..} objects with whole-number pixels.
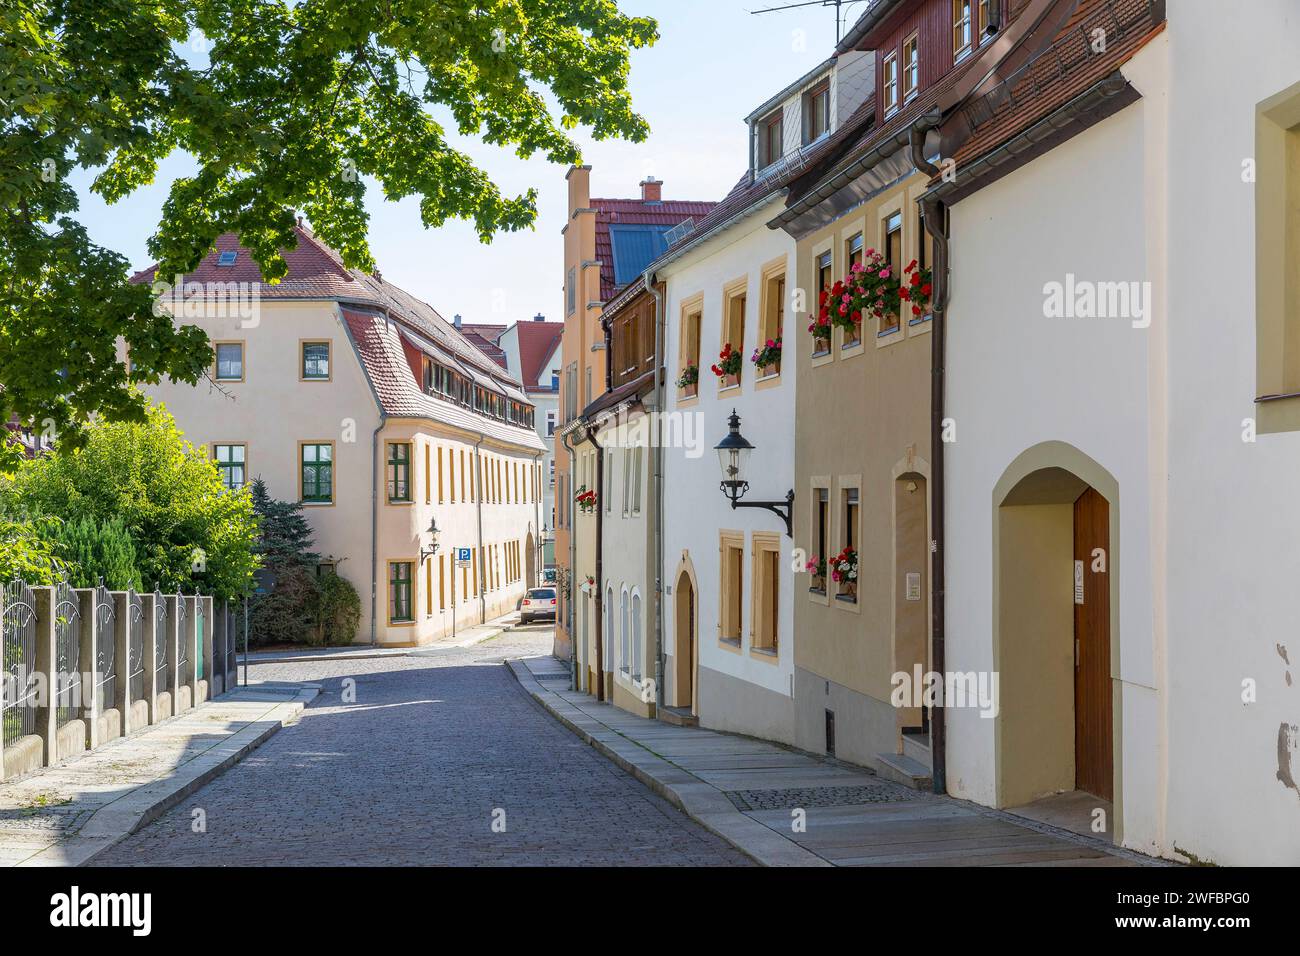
[
  {"x": 347, "y": 654},
  {"x": 113, "y": 823},
  {"x": 702, "y": 802}
]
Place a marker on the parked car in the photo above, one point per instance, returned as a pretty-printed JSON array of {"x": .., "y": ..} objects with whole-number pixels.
[{"x": 538, "y": 602}]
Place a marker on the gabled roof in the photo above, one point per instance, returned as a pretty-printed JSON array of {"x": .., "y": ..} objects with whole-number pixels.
[
  {"x": 484, "y": 338},
  {"x": 637, "y": 235},
  {"x": 538, "y": 342}
]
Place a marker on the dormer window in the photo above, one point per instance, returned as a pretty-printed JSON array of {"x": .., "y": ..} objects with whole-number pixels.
[
  {"x": 817, "y": 111},
  {"x": 771, "y": 142},
  {"x": 911, "y": 67},
  {"x": 962, "y": 39},
  {"x": 889, "y": 82}
]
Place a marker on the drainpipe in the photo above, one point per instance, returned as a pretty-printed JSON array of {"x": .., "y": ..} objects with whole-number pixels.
[
  {"x": 537, "y": 521},
  {"x": 374, "y": 530},
  {"x": 600, "y": 563},
  {"x": 573, "y": 558},
  {"x": 482, "y": 558},
  {"x": 657, "y": 454},
  {"x": 935, "y": 217}
]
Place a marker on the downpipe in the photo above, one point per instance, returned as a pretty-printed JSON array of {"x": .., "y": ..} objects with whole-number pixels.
[{"x": 660, "y": 393}]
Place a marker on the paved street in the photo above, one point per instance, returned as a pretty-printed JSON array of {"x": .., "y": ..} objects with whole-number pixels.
[{"x": 415, "y": 770}]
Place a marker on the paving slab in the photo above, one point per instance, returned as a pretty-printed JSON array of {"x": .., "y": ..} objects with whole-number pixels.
[
  {"x": 67, "y": 814},
  {"x": 784, "y": 807}
]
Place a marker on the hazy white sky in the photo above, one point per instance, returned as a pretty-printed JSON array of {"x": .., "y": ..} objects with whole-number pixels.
[{"x": 713, "y": 64}]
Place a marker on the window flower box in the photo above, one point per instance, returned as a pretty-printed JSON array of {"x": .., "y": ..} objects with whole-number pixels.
[
  {"x": 727, "y": 367},
  {"x": 844, "y": 572},
  {"x": 817, "y": 568},
  {"x": 585, "y": 500},
  {"x": 872, "y": 287},
  {"x": 689, "y": 382},
  {"x": 768, "y": 358}
]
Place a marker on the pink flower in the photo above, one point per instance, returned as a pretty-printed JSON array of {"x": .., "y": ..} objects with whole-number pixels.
[{"x": 884, "y": 273}]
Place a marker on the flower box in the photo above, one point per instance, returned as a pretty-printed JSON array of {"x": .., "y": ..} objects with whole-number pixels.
[
  {"x": 844, "y": 572},
  {"x": 689, "y": 382},
  {"x": 872, "y": 287},
  {"x": 768, "y": 358},
  {"x": 727, "y": 367}
]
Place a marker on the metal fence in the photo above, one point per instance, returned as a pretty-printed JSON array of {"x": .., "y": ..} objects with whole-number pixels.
[
  {"x": 135, "y": 644},
  {"x": 67, "y": 652},
  {"x": 183, "y": 645},
  {"x": 18, "y": 629},
  {"x": 106, "y": 650},
  {"x": 162, "y": 674}
]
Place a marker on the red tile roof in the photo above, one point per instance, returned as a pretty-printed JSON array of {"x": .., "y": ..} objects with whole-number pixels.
[
  {"x": 1065, "y": 70},
  {"x": 538, "y": 341},
  {"x": 639, "y": 212},
  {"x": 483, "y": 338}
]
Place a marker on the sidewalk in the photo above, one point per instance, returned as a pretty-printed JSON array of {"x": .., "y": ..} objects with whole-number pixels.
[
  {"x": 749, "y": 793},
  {"x": 466, "y": 636},
  {"x": 66, "y": 814}
]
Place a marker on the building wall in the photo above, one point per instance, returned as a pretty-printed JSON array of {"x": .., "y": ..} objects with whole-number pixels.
[
  {"x": 626, "y": 535},
  {"x": 1017, "y": 379},
  {"x": 1232, "y": 548},
  {"x": 739, "y": 689},
  {"x": 271, "y": 411},
  {"x": 863, "y": 416}
]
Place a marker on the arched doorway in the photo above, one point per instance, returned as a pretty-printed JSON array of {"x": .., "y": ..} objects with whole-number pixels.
[
  {"x": 685, "y": 647},
  {"x": 1056, "y": 629},
  {"x": 530, "y": 561}
]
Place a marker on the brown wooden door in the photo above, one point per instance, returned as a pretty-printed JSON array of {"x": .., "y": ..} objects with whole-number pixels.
[{"x": 1093, "y": 765}]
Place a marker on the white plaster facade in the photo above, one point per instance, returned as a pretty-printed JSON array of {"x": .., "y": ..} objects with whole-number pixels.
[
  {"x": 741, "y": 689},
  {"x": 1203, "y": 546}
]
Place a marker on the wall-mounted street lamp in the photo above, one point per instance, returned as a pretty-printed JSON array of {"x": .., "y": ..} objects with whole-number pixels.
[
  {"x": 733, "y": 455},
  {"x": 432, "y": 549}
]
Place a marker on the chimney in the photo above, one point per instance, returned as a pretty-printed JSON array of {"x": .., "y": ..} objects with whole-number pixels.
[
  {"x": 539, "y": 317},
  {"x": 456, "y": 320},
  {"x": 652, "y": 189}
]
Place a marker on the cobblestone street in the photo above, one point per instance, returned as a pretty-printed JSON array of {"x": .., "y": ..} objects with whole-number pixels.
[{"x": 434, "y": 748}]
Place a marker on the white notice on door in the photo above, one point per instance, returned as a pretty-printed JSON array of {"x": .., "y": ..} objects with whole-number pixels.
[
  {"x": 1078, "y": 582},
  {"x": 913, "y": 585}
]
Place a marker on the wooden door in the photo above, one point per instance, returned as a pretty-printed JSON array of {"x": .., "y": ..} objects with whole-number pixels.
[{"x": 1093, "y": 765}]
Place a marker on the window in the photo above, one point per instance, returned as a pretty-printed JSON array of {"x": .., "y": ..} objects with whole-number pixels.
[
  {"x": 732, "y": 567},
  {"x": 961, "y": 29},
  {"x": 555, "y": 380},
  {"x": 609, "y": 624},
  {"x": 889, "y": 82},
  {"x": 550, "y": 423},
  {"x": 230, "y": 361},
  {"x": 230, "y": 465},
  {"x": 690, "y": 357},
  {"x": 771, "y": 143},
  {"x": 911, "y": 67},
  {"x": 608, "y": 488},
  {"x": 817, "y": 111},
  {"x": 227, "y": 258},
  {"x": 437, "y": 453},
  {"x": 767, "y": 581},
  {"x": 733, "y": 329},
  {"x": 428, "y": 588},
  {"x": 625, "y": 636},
  {"x": 822, "y": 267},
  {"x": 773, "y": 317},
  {"x": 317, "y": 472},
  {"x": 399, "y": 472},
  {"x": 1277, "y": 237},
  {"x": 571, "y": 292},
  {"x": 442, "y": 596},
  {"x": 462, "y": 476},
  {"x": 451, "y": 474},
  {"x": 315, "y": 361},
  {"x": 399, "y": 592},
  {"x": 626, "y": 455},
  {"x": 847, "y": 590},
  {"x": 853, "y": 251},
  {"x": 821, "y": 527},
  {"x": 984, "y": 19},
  {"x": 636, "y": 636},
  {"x": 893, "y": 229},
  {"x": 637, "y": 456}
]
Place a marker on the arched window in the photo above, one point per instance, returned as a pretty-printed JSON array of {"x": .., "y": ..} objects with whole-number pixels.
[
  {"x": 609, "y": 629},
  {"x": 626, "y": 659},
  {"x": 636, "y": 635}
]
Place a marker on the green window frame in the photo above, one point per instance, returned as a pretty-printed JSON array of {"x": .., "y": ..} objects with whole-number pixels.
[
  {"x": 315, "y": 361},
  {"x": 230, "y": 461},
  {"x": 399, "y": 471},
  {"x": 400, "y": 605},
  {"x": 317, "y": 472}
]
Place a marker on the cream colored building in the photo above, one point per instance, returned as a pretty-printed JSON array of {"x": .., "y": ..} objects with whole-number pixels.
[{"x": 344, "y": 392}]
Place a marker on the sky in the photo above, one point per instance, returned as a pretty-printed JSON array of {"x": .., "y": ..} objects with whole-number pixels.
[{"x": 714, "y": 63}]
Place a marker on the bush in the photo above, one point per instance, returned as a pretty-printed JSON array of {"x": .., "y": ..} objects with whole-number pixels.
[
  {"x": 339, "y": 611},
  {"x": 95, "y": 549},
  {"x": 27, "y": 550},
  {"x": 286, "y": 614}
]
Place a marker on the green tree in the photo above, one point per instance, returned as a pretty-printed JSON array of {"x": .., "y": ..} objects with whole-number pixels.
[
  {"x": 27, "y": 549},
  {"x": 286, "y": 107},
  {"x": 95, "y": 549},
  {"x": 166, "y": 493},
  {"x": 287, "y": 613}
]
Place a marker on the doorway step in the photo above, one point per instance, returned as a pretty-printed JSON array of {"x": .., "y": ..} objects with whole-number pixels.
[{"x": 678, "y": 716}]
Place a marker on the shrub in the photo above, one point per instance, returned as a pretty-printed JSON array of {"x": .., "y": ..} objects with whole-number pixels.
[
  {"x": 339, "y": 611},
  {"x": 94, "y": 549}
]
